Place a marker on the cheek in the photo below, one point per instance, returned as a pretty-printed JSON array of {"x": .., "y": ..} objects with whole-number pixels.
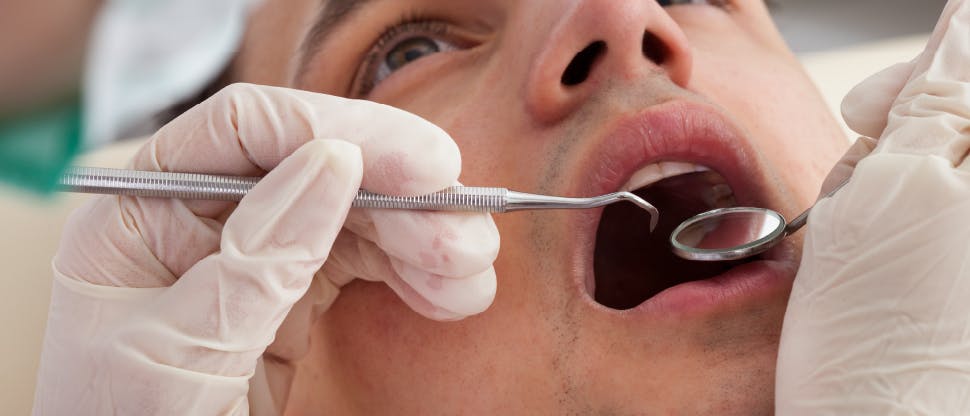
[
  {"x": 377, "y": 348},
  {"x": 497, "y": 145},
  {"x": 375, "y": 345},
  {"x": 776, "y": 103}
]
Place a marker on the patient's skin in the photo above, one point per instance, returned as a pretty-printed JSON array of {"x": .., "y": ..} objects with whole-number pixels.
[{"x": 545, "y": 347}]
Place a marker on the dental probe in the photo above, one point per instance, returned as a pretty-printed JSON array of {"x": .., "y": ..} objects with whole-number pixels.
[{"x": 232, "y": 188}]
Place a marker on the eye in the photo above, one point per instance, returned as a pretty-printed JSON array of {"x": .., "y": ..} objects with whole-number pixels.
[
  {"x": 399, "y": 46},
  {"x": 716, "y": 3},
  {"x": 409, "y": 50}
]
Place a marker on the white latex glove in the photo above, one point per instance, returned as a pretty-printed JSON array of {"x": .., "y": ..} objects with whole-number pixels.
[
  {"x": 163, "y": 306},
  {"x": 879, "y": 316}
]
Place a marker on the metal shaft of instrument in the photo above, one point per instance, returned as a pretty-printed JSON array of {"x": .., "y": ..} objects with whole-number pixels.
[
  {"x": 233, "y": 188},
  {"x": 800, "y": 220}
]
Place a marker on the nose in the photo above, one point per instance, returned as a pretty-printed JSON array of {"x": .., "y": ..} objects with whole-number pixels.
[{"x": 597, "y": 42}]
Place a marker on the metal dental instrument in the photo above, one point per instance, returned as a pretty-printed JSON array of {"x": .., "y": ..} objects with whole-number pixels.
[
  {"x": 233, "y": 188},
  {"x": 735, "y": 233}
]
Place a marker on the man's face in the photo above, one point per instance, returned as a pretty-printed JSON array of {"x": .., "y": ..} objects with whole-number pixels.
[{"x": 571, "y": 98}]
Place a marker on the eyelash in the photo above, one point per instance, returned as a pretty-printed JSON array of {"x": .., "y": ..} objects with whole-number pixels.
[{"x": 409, "y": 26}]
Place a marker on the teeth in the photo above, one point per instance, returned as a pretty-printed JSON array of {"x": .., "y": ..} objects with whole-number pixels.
[
  {"x": 719, "y": 196},
  {"x": 662, "y": 170}
]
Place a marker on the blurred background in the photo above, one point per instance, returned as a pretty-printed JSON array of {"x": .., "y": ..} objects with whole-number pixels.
[
  {"x": 41, "y": 55},
  {"x": 841, "y": 42},
  {"x": 823, "y": 25}
]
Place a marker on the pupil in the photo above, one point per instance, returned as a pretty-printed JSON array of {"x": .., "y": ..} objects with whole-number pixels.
[
  {"x": 410, "y": 51},
  {"x": 665, "y": 3},
  {"x": 412, "y": 55}
]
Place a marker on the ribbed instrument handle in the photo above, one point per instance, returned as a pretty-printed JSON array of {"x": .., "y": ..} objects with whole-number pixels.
[{"x": 233, "y": 188}]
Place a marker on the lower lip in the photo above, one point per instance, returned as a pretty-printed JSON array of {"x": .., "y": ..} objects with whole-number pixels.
[{"x": 744, "y": 285}]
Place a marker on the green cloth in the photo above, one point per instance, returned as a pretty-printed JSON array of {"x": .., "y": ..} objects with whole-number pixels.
[{"x": 36, "y": 148}]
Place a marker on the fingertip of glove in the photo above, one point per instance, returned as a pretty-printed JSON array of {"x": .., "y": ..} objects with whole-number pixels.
[
  {"x": 407, "y": 155},
  {"x": 407, "y": 173},
  {"x": 466, "y": 296},
  {"x": 866, "y": 107},
  {"x": 447, "y": 243}
]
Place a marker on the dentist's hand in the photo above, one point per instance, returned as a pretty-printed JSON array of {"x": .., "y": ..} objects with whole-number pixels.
[
  {"x": 164, "y": 306},
  {"x": 879, "y": 316}
]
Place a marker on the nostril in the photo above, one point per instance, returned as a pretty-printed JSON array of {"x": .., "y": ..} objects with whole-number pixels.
[
  {"x": 582, "y": 64},
  {"x": 654, "y": 48}
]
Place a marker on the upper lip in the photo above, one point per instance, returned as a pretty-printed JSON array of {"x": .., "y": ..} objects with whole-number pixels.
[{"x": 682, "y": 131}]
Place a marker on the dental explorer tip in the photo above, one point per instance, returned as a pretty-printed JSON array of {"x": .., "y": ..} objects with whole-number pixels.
[{"x": 654, "y": 213}]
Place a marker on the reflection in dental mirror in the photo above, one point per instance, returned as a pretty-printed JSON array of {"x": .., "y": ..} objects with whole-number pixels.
[
  {"x": 728, "y": 234},
  {"x": 729, "y": 230}
]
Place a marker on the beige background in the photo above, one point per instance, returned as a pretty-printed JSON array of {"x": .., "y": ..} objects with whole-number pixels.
[{"x": 29, "y": 227}]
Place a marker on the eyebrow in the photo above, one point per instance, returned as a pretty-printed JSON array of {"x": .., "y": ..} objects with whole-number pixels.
[{"x": 333, "y": 14}]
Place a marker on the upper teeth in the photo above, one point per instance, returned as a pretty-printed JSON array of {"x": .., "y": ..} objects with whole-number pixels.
[{"x": 656, "y": 172}]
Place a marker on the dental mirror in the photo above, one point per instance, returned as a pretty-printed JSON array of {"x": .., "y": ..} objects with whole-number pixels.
[{"x": 734, "y": 233}]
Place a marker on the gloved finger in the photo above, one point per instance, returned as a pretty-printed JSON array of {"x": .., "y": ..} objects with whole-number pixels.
[
  {"x": 234, "y": 301},
  {"x": 866, "y": 107},
  {"x": 862, "y": 147},
  {"x": 135, "y": 254},
  {"x": 418, "y": 303},
  {"x": 466, "y": 296},
  {"x": 354, "y": 257},
  {"x": 931, "y": 116},
  {"x": 450, "y": 244}
]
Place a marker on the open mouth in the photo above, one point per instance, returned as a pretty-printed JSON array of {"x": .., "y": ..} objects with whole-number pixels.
[{"x": 631, "y": 264}]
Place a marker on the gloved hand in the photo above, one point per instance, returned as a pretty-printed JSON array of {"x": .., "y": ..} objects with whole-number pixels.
[
  {"x": 879, "y": 316},
  {"x": 163, "y": 306}
]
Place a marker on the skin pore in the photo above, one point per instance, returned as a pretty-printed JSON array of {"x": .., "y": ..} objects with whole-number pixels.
[{"x": 491, "y": 74}]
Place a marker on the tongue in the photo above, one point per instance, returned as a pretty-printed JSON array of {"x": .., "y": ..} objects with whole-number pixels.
[{"x": 631, "y": 264}]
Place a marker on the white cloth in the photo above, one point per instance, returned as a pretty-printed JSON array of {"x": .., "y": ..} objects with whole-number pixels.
[{"x": 145, "y": 56}]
